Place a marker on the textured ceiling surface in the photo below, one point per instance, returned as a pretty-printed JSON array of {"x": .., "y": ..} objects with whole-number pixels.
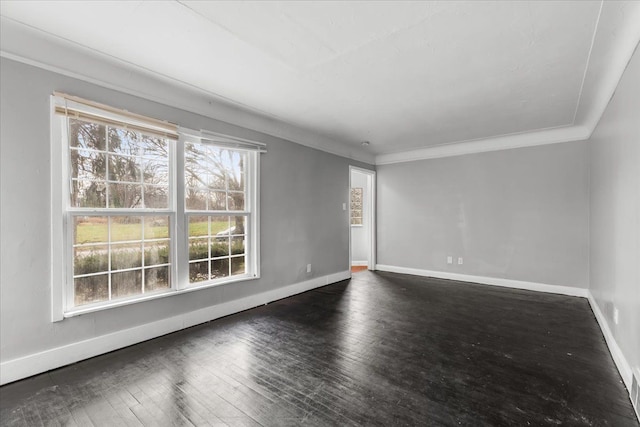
[{"x": 402, "y": 75}]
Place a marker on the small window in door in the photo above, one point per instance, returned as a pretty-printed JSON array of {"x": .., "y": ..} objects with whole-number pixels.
[{"x": 356, "y": 206}]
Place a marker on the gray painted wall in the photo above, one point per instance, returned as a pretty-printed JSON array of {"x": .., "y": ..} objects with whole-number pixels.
[
  {"x": 302, "y": 220},
  {"x": 359, "y": 246},
  {"x": 615, "y": 213},
  {"x": 519, "y": 214}
]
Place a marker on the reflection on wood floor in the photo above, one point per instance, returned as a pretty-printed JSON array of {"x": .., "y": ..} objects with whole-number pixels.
[
  {"x": 380, "y": 349},
  {"x": 358, "y": 268}
]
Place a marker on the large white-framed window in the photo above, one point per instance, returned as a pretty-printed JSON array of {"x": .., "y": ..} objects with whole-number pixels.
[{"x": 142, "y": 209}]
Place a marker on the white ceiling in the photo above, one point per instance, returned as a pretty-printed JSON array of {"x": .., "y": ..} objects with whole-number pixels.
[{"x": 405, "y": 76}]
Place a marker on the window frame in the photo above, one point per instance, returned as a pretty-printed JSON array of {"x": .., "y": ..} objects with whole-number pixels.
[{"x": 62, "y": 215}]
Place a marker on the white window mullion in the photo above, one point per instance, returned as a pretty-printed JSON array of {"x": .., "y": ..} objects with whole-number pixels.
[
  {"x": 106, "y": 181},
  {"x": 61, "y": 257},
  {"x": 252, "y": 191},
  {"x": 110, "y": 268},
  {"x": 68, "y": 262},
  {"x": 142, "y": 261},
  {"x": 180, "y": 243},
  {"x": 209, "y": 242}
]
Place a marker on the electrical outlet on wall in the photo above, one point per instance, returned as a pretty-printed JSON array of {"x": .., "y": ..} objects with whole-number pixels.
[
  {"x": 449, "y": 260},
  {"x": 308, "y": 268},
  {"x": 459, "y": 260},
  {"x": 616, "y": 315}
]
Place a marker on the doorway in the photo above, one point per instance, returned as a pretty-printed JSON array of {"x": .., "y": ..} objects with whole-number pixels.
[{"x": 362, "y": 209}]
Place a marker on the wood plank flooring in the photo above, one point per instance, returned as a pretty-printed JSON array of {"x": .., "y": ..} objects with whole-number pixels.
[{"x": 382, "y": 349}]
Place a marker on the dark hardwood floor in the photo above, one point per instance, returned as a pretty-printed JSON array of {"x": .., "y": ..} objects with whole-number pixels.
[{"x": 382, "y": 349}]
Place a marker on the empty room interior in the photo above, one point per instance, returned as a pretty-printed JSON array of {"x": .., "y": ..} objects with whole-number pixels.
[{"x": 320, "y": 213}]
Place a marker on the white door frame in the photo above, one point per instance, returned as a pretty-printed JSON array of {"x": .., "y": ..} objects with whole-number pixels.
[{"x": 371, "y": 223}]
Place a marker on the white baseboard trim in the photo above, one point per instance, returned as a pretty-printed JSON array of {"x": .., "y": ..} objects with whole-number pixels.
[
  {"x": 359, "y": 263},
  {"x": 494, "y": 281},
  {"x": 618, "y": 357},
  {"x": 26, "y": 366}
]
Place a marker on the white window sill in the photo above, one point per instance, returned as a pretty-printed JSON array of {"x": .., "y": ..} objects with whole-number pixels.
[
  {"x": 135, "y": 300},
  {"x": 357, "y": 225}
]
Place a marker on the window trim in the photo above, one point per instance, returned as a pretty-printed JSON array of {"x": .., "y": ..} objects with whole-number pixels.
[{"x": 62, "y": 213}]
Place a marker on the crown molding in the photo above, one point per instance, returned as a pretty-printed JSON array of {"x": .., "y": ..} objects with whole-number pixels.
[
  {"x": 28, "y": 45},
  {"x": 504, "y": 142},
  {"x": 616, "y": 37}
]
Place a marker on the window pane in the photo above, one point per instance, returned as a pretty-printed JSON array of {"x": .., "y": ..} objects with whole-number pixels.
[
  {"x": 156, "y": 227},
  {"x": 86, "y": 135},
  {"x": 196, "y": 199},
  {"x": 125, "y": 196},
  {"x": 91, "y": 289},
  {"x": 88, "y": 194},
  {"x": 219, "y": 268},
  {"x": 217, "y": 201},
  {"x": 156, "y": 197},
  {"x": 126, "y": 228},
  {"x": 219, "y": 247},
  {"x": 156, "y": 278},
  {"x": 236, "y": 201},
  {"x": 126, "y": 283},
  {"x": 90, "y": 259},
  {"x": 198, "y": 226},
  {"x": 236, "y": 169},
  {"x": 220, "y": 226},
  {"x": 123, "y": 141},
  {"x": 198, "y": 271},
  {"x": 88, "y": 165},
  {"x": 156, "y": 252},
  {"x": 237, "y": 266},
  {"x": 193, "y": 181},
  {"x": 238, "y": 224},
  {"x": 128, "y": 255},
  {"x": 90, "y": 229},
  {"x": 154, "y": 147},
  {"x": 198, "y": 249},
  {"x": 195, "y": 165},
  {"x": 156, "y": 171},
  {"x": 217, "y": 180},
  {"x": 125, "y": 168},
  {"x": 237, "y": 245}
]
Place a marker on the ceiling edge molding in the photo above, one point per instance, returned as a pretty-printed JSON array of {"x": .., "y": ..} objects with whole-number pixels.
[
  {"x": 617, "y": 38},
  {"x": 21, "y": 43},
  {"x": 529, "y": 139}
]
